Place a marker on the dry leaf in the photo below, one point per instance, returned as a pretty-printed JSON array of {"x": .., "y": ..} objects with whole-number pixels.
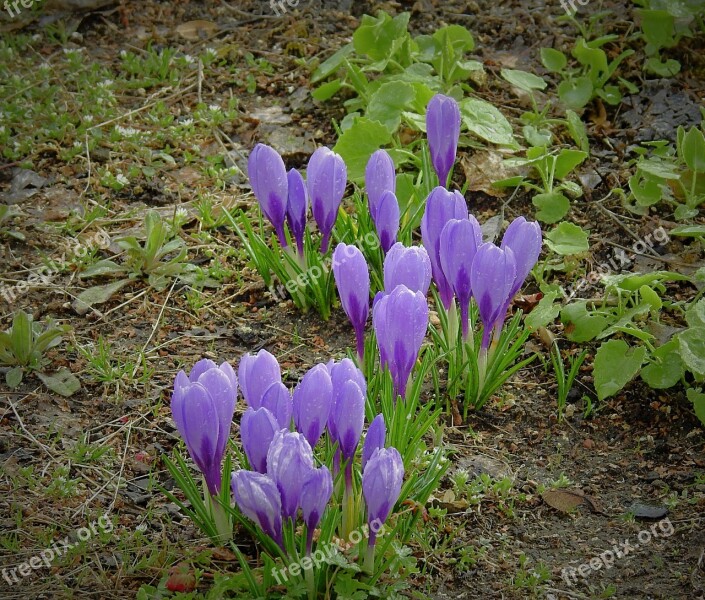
[
  {"x": 197, "y": 30},
  {"x": 481, "y": 169},
  {"x": 564, "y": 500}
]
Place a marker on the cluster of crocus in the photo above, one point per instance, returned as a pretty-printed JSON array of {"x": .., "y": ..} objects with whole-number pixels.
[
  {"x": 285, "y": 197},
  {"x": 283, "y": 479},
  {"x": 380, "y": 184}
]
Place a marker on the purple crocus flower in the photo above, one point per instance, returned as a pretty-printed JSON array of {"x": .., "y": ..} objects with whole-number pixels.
[
  {"x": 441, "y": 207},
  {"x": 296, "y": 208},
  {"x": 400, "y": 320},
  {"x": 352, "y": 278},
  {"x": 443, "y": 131},
  {"x": 460, "y": 240},
  {"x": 492, "y": 279},
  {"x": 289, "y": 461},
  {"x": 348, "y": 417},
  {"x": 381, "y": 486},
  {"x": 326, "y": 178},
  {"x": 267, "y": 174},
  {"x": 202, "y": 405},
  {"x": 313, "y": 398},
  {"x": 315, "y": 494},
  {"x": 256, "y": 374},
  {"x": 375, "y": 438},
  {"x": 340, "y": 373},
  {"x": 524, "y": 238},
  {"x": 277, "y": 399},
  {"x": 257, "y": 429},
  {"x": 407, "y": 266},
  {"x": 379, "y": 178},
  {"x": 258, "y": 498},
  {"x": 387, "y": 220}
]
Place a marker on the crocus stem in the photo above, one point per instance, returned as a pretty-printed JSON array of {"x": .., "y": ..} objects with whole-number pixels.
[
  {"x": 482, "y": 372},
  {"x": 369, "y": 565},
  {"x": 360, "y": 339},
  {"x": 452, "y": 319},
  {"x": 219, "y": 516},
  {"x": 348, "y": 503},
  {"x": 310, "y": 583}
]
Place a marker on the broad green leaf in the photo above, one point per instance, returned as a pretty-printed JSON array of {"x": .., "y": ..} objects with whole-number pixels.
[
  {"x": 14, "y": 376},
  {"x": 545, "y": 312},
  {"x": 485, "y": 121},
  {"x": 327, "y": 90},
  {"x": 332, "y": 63},
  {"x": 693, "y": 150},
  {"x": 577, "y": 130},
  {"x": 610, "y": 94},
  {"x": 688, "y": 230},
  {"x": 566, "y": 161},
  {"x": 615, "y": 366},
  {"x": 658, "y": 27},
  {"x": 666, "y": 368},
  {"x": 537, "y": 137},
  {"x": 668, "y": 68},
  {"x": 97, "y": 295},
  {"x": 593, "y": 58},
  {"x": 357, "y": 144},
  {"x": 553, "y": 206},
  {"x": 624, "y": 322},
  {"x": 63, "y": 382},
  {"x": 698, "y": 399},
  {"x": 658, "y": 167},
  {"x": 103, "y": 267},
  {"x": 692, "y": 348},
  {"x": 388, "y": 102},
  {"x": 22, "y": 337},
  {"x": 633, "y": 281},
  {"x": 567, "y": 239},
  {"x": 580, "y": 324},
  {"x": 554, "y": 60},
  {"x": 575, "y": 93},
  {"x": 695, "y": 315},
  {"x": 647, "y": 192},
  {"x": 376, "y": 35},
  {"x": 524, "y": 80}
]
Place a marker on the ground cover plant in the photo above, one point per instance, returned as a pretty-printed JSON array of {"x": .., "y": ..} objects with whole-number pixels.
[{"x": 352, "y": 300}]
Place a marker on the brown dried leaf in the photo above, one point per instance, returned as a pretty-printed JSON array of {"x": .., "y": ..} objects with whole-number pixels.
[{"x": 197, "y": 30}]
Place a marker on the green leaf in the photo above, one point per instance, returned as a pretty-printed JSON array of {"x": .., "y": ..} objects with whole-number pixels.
[
  {"x": 615, "y": 366},
  {"x": 693, "y": 150},
  {"x": 647, "y": 192},
  {"x": 577, "y": 130},
  {"x": 661, "y": 168},
  {"x": 633, "y": 281},
  {"x": 327, "y": 90},
  {"x": 22, "y": 337},
  {"x": 332, "y": 64},
  {"x": 666, "y": 368},
  {"x": 486, "y": 122},
  {"x": 666, "y": 69},
  {"x": 357, "y": 144},
  {"x": 524, "y": 80},
  {"x": 698, "y": 399},
  {"x": 692, "y": 349},
  {"x": 554, "y": 60},
  {"x": 14, "y": 376},
  {"x": 658, "y": 27},
  {"x": 688, "y": 230},
  {"x": 575, "y": 93},
  {"x": 568, "y": 239},
  {"x": 376, "y": 35},
  {"x": 566, "y": 161},
  {"x": 97, "y": 295},
  {"x": 695, "y": 315},
  {"x": 581, "y": 325},
  {"x": 553, "y": 206},
  {"x": 103, "y": 267},
  {"x": 63, "y": 382},
  {"x": 545, "y": 312},
  {"x": 388, "y": 102}
]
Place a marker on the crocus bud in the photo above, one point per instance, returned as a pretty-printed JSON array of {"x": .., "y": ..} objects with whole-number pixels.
[
  {"x": 277, "y": 399},
  {"x": 289, "y": 461},
  {"x": 326, "y": 178},
  {"x": 375, "y": 438},
  {"x": 348, "y": 417},
  {"x": 524, "y": 238},
  {"x": 256, "y": 374},
  {"x": 340, "y": 373},
  {"x": 296, "y": 208},
  {"x": 460, "y": 239},
  {"x": 381, "y": 486},
  {"x": 313, "y": 398},
  {"x": 379, "y": 178},
  {"x": 352, "y": 278},
  {"x": 492, "y": 278},
  {"x": 407, "y": 266},
  {"x": 387, "y": 221},
  {"x": 257, "y": 429},
  {"x": 258, "y": 498},
  {"x": 441, "y": 207},
  {"x": 400, "y": 320},
  {"x": 443, "y": 131},
  {"x": 202, "y": 406},
  {"x": 267, "y": 174},
  {"x": 315, "y": 494}
]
